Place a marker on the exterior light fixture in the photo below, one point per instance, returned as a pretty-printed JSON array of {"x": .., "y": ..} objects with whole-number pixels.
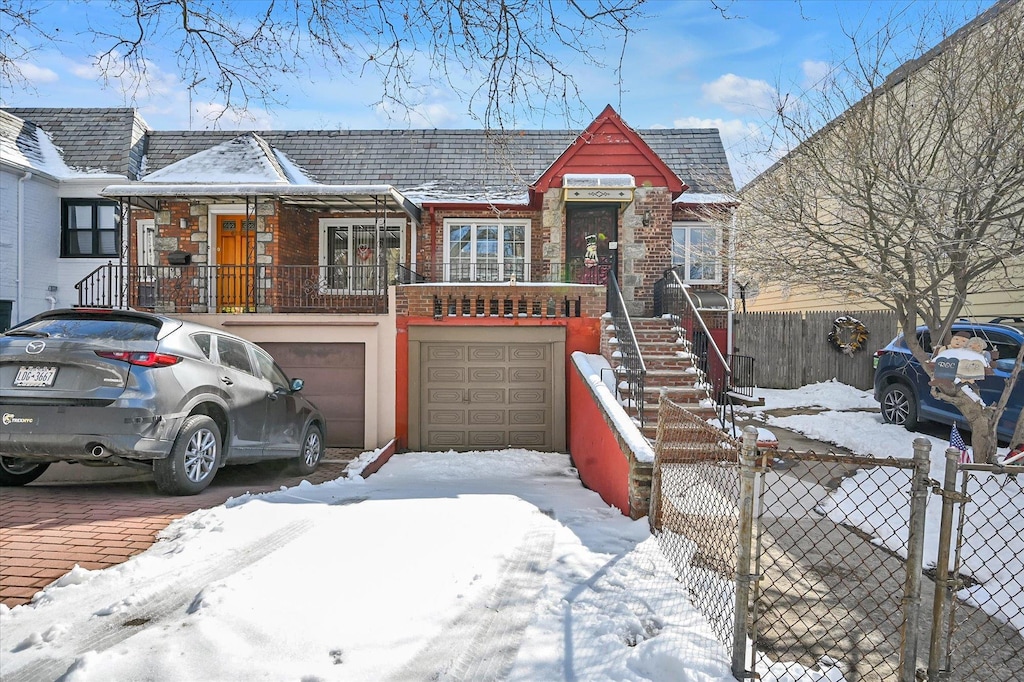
[{"x": 647, "y": 219}]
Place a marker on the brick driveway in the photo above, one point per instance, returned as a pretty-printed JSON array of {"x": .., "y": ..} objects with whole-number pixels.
[{"x": 47, "y": 527}]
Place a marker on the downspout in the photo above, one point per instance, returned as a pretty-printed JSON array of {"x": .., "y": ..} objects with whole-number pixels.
[
  {"x": 732, "y": 265},
  {"x": 21, "y": 246}
]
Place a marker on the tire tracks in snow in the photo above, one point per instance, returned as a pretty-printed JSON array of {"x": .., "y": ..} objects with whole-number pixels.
[
  {"x": 100, "y": 632},
  {"x": 481, "y": 643}
]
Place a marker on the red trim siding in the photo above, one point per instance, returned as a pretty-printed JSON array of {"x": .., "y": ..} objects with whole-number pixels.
[{"x": 608, "y": 145}]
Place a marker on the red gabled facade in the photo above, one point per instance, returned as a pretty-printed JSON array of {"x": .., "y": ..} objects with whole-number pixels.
[{"x": 610, "y": 146}]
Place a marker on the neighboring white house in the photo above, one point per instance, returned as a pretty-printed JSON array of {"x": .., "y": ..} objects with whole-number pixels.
[{"x": 54, "y": 227}]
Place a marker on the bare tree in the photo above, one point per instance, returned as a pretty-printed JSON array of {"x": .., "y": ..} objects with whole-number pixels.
[
  {"x": 502, "y": 56},
  {"x": 906, "y": 188}
]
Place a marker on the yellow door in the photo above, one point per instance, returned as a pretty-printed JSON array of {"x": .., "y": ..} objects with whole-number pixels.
[{"x": 234, "y": 272}]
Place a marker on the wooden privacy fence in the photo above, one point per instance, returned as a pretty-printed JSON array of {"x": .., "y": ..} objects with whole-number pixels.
[{"x": 792, "y": 349}]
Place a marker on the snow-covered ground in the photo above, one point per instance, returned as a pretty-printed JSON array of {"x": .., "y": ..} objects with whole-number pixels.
[{"x": 441, "y": 566}]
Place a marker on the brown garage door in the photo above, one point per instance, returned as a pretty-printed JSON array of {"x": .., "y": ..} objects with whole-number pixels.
[
  {"x": 334, "y": 374},
  {"x": 493, "y": 391}
]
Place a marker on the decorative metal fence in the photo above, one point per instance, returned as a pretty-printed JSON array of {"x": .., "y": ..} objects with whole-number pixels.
[
  {"x": 486, "y": 271},
  {"x": 821, "y": 565},
  {"x": 238, "y": 288}
]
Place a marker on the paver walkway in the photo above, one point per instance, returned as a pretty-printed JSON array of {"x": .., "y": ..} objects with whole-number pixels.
[{"x": 47, "y": 527}]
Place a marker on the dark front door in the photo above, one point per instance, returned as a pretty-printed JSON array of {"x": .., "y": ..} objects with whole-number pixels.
[{"x": 592, "y": 233}]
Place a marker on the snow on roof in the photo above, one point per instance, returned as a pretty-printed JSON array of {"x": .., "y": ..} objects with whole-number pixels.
[
  {"x": 246, "y": 159},
  {"x": 30, "y": 147},
  {"x": 434, "y": 193},
  {"x": 699, "y": 198}
]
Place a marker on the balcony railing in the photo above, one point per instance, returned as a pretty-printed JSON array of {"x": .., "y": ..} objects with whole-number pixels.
[
  {"x": 237, "y": 288},
  {"x": 575, "y": 272}
]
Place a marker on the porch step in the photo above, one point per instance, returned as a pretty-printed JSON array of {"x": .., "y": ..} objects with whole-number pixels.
[{"x": 684, "y": 376}]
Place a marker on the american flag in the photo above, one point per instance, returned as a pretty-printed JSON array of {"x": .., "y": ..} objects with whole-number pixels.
[{"x": 956, "y": 441}]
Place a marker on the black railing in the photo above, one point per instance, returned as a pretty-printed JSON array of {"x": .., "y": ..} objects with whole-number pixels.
[
  {"x": 573, "y": 272},
  {"x": 631, "y": 362},
  {"x": 726, "y": 377},
  {"x": 237, "y": 288}
]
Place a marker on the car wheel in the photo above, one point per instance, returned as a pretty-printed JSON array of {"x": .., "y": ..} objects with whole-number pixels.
[
  {"x": 192, "y": 463},
  {"x": 14, "y": 471},
  {"x": 312, "y": 451},
  {"x": 899, "y": 406}
]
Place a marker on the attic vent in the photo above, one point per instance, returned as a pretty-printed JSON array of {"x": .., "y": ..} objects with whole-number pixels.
[{"x": 598, "y": 187}]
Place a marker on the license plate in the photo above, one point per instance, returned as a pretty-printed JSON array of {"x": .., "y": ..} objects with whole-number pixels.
[{"x": 35, "y": 377}]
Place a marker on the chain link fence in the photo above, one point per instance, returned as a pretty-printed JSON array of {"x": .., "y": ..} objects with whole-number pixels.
[{"x": 812, "y": 566}]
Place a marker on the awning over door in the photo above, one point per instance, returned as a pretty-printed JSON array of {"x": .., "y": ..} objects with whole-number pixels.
[{"x": 711, "y": 300}]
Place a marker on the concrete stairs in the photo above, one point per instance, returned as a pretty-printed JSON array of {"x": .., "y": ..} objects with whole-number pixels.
[{"x": 670, "y": 366}]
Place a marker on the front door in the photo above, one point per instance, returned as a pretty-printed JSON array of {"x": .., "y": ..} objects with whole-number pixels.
[
  {"x": 236, "y": 244},
  {"x": 592, "y": 234}
]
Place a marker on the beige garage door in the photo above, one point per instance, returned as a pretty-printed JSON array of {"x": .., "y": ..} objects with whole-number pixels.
[
  {"x": 334, "y": 377},
  {"x": 485, "y": 388}
]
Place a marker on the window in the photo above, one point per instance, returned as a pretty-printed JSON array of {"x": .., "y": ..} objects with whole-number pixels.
[
  {"x": 485, "y": 251},
  {"x": 695, "y": 247},
  {"x": 89, "y": 228},
  {"x": 233, "y": 354},
  {"x": 270, "y": 371},
  {"x": 351, "y": 250},
  {"x": 203, "y": 341}
]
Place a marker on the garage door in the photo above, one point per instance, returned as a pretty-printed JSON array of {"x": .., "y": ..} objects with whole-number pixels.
[
  {"x": 334, "y": 374},
  {"x": 489, "y": 389}
]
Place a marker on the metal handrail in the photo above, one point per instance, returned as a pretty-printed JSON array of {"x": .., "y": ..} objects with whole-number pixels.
[
  {"x": 704, "y": 327},
  {"x": 633, "y": 361}
]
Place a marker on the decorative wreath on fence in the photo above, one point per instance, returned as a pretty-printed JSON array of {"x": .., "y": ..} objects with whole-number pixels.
[{"x": 848, "y": 335}]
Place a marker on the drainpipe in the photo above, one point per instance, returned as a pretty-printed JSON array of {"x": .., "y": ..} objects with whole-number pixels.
[
  {"x": 16, "y": 318},
  {"x": 732, "y": 266}
]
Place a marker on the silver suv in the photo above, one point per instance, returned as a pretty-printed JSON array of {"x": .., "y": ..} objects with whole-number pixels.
[{"x": 119, "y": 387}]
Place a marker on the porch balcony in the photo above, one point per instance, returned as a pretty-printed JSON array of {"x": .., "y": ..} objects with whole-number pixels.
[{"x": 488, "y": 290}]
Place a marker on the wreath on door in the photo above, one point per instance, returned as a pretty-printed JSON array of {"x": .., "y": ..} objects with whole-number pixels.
[
  {"x": 364, "y": 253},
  {"x": 848, "y": 335}
]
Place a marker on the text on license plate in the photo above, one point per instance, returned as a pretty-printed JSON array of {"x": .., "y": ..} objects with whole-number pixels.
[{"x": 31, "y": 377}]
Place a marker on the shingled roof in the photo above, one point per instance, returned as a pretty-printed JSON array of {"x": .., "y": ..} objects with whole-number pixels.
[
  {"x": 441, "y": 161},
  {"x": 450, "y": 160},
  {"x": 93, "y": 139}
]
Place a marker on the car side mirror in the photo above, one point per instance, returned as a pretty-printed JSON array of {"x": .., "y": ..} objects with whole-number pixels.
[{"x": 297, "y": 384}]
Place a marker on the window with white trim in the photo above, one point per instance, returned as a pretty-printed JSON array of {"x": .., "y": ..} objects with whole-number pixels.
[
  {"x": 90, "y": 228},
  {"x": 486, "y": 250},
  {"x": 695, "y": 247},
  {"x": 350, "y": 250}
]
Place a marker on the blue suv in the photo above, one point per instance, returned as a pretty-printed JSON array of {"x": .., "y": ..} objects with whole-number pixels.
[{"x": 901, "y": 384}]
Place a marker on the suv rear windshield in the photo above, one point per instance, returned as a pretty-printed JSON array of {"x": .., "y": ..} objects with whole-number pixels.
[{"x": 94, "y": 328}]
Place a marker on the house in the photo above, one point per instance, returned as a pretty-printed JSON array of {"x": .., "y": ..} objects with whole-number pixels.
[
  {"x": 934, "y": 145},
  {"x": 427, "y": 284},
  {"x": 54, "y": 227}
]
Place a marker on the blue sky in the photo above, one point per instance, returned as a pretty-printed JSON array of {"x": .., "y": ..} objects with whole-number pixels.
[{"x": 689, "y": 66}]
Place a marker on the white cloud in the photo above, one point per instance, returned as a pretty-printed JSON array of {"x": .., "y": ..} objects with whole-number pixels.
[
  {"x": 814, "y": 73},
  {"x": 744, "y": 141},
  {"x": 134, "y": 84},
  {"x": 214, "y": 116},
  {"x": 435, "y": 115},
  {"x": 739, "y": 94},
  {"x": 36, "y": 74}
]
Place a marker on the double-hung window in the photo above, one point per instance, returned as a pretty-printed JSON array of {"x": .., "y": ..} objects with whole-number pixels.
[
  {"x": 486, "y": 250},
  {"x": 695, "y": 247},
  {"x": 89, "y": 228}
]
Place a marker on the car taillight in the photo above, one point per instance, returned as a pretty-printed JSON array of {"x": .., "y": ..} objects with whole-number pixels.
[
  {"x": 142, "y": 359},
  {"x": 874, "y": 358}
]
